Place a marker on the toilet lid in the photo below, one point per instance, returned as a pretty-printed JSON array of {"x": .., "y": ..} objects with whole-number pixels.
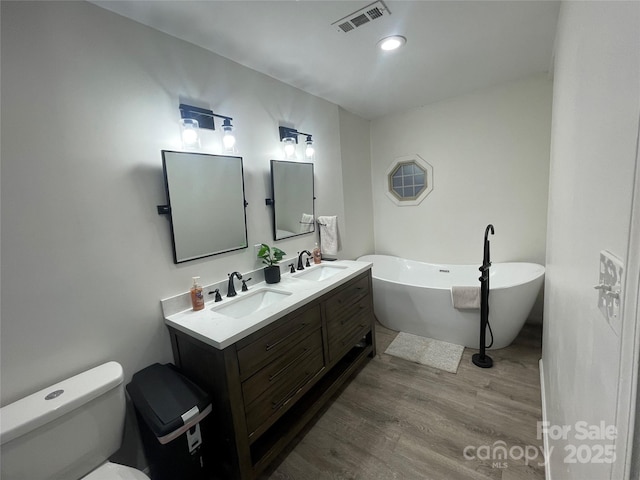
[{"x": 114, "y": 471}]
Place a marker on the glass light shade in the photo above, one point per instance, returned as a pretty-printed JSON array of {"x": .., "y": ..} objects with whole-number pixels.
[
  {"x": 289, "y": 146},
  {"x": 309, "y": 151},
  {"x": 190, "y": 137},
  {"x": 228, "y": 139}
]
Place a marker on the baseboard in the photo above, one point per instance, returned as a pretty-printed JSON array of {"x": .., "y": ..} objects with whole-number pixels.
[{"x": 545, "y": 438}]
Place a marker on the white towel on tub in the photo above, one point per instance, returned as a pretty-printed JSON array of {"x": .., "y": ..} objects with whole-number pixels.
[
  {"x": 465, "y": 297},
  {"x": 328, "y": 234}
]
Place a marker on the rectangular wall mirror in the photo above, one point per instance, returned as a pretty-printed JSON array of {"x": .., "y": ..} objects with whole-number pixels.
[
  {"x": 293, "y": 206},
  {"x": 205, "y": 203}
]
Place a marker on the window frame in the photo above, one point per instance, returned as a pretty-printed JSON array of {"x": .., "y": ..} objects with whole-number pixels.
[{"x": 426, "y": 190}]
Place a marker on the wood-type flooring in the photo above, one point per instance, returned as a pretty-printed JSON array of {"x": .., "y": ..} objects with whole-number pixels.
[{"x": 397, "y": 420}]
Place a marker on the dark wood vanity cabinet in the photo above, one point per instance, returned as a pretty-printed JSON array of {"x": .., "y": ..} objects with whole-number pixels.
[{"x": 268, "y": 385}]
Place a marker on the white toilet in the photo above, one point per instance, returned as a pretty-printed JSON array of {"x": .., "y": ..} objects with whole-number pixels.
[{"x": 67, "y": 431}]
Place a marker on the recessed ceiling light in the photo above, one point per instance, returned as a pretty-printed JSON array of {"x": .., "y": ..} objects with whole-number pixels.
[{"x": 392, "y": 43}]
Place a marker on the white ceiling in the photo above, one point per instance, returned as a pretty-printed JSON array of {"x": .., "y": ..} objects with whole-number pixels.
[{"x": 453, "y": 47}]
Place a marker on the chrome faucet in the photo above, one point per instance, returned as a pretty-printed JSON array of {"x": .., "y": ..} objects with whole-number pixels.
[
  {"x": 300, "y": 267},
  {"x": 231, "y": 289}
]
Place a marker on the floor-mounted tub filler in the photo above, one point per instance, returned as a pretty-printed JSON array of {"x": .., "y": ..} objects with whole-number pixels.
[{"x": 415, "y": 297}]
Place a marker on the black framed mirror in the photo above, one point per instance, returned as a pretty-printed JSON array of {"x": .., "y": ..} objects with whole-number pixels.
[
  {"x": 292, "y": 199},
  {"x": 205, "y": 203}
]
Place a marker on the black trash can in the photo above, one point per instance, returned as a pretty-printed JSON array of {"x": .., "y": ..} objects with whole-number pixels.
[{"x": 169, "y": 408}]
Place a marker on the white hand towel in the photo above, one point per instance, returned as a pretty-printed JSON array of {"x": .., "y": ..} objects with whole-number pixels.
[
  {"x": 306, "y": 223},
  {"x": 465, "y": 297},
  {"x": 328, "y": 234}
]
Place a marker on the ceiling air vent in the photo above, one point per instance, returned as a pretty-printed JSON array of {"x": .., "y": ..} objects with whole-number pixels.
[{"x": 361, "y": 17}]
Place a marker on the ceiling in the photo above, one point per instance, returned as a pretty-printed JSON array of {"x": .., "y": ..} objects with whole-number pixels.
[{"x": 453, "y": 47}]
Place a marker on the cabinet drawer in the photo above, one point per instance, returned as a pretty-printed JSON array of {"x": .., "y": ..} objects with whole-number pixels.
[
  {"x": 350, "y": 294},
  {"x": 277, "y": 342},
  {"x": 281, "y": 368},
  {"x": 347, "y": 318},
  {"x": 346, "y": 343},
  {"x": 276, "y": 400},
  {"x": 345, "y": 331}
]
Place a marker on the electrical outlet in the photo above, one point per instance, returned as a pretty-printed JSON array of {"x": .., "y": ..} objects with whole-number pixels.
[
  {"x": 610, "y": 288},
  {"x": 256, "y": 248}
]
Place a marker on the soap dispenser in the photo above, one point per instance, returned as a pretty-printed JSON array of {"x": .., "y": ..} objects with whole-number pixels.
[
  {"x": 317, "y": 257},
  {"x": 197, "y": 299}
]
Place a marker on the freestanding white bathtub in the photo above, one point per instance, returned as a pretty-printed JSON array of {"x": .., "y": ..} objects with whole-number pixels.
[{"x": 415, "y": 297}]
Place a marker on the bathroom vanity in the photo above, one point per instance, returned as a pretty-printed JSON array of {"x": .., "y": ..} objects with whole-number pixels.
[{"x": 271, "y": 370}]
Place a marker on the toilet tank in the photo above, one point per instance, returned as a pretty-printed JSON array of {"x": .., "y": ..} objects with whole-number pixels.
[{"x": 66, "y": 430}]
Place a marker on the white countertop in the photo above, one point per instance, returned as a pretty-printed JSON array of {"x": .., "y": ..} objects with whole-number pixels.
[{"x": 220, "y": 331}]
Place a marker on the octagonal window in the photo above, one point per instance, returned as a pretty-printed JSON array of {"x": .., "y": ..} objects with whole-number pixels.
[
  {"x": 410, "y": 180},
  {"x": 407, "y": 180}
]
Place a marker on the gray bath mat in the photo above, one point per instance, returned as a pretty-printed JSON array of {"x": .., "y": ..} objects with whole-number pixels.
[{"x": 426, "y": 351}]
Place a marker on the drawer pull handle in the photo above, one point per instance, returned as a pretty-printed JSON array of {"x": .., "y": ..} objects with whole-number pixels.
[
  {"x": 269, "y": 346},
  {"x": 286, "y": 367},
  {"x": 291, "y": 394}
]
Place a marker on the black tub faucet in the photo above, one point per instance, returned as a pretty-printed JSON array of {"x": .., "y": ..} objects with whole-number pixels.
[
  {"x": 300, "y": 266},
  {"x": 231, "y": 289}
]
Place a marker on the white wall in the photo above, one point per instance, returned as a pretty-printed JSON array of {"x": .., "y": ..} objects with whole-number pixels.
[
  {"x": 593, "y": 155},
  {"x": 356, "y": 173},
  {"x": 88, "y": 101},
  {"x": 490, "y": 155}
]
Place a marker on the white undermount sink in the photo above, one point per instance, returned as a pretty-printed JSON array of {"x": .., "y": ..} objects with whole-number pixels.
[
  {"x": 251, "y": 302},
  {"x": 319, "y": 273}
]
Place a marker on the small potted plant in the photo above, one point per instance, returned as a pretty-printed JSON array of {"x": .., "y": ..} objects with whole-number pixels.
[{"x": 270, "y": 257}]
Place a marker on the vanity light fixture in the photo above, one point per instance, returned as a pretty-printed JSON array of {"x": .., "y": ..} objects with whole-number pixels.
[
  {"x": 289, "y": 139},
  {"x": 392, "y": 43},
  {"x": 196, "y": 117}
]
